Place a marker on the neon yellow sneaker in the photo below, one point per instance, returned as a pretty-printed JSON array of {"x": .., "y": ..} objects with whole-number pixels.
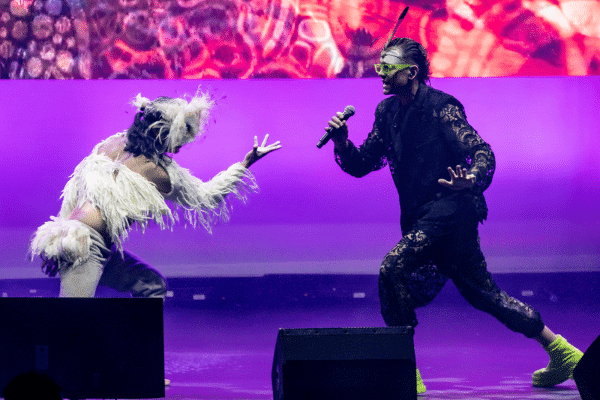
[
  {"x": 563, "y": 360},
  {"x": 420, "y": 385}
]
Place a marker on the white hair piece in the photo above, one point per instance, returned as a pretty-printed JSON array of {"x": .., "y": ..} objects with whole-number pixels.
[{"x": 183, "y": 119}]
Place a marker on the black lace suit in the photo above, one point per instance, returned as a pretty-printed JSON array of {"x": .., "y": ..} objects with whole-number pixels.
[{"x": 439, "y": 225}]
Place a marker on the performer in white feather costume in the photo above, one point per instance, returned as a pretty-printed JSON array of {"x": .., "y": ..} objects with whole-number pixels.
[{"x": 131, "y": 178}]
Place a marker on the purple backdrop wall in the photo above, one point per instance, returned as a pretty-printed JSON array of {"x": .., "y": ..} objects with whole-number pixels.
[{"x": 310, "y": 217}]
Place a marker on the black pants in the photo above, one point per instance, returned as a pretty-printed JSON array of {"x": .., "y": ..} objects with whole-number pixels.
[
  {"x": 432, "y": 252},
  {"x": 106, "y": 266},
  {"x": 130, "y": 274}
]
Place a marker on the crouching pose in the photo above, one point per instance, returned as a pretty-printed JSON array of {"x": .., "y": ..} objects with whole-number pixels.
[{"x": 131, "y": 178}]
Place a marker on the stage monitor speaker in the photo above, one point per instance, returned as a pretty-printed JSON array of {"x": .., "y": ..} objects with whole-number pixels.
[
  {"x": 587, "y": 373},
  {"x": 92, "y": 348},
  {"x": 344, "y": 363}
]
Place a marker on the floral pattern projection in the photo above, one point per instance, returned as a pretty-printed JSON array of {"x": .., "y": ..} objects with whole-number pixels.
[{"x": 197, "y": 39}]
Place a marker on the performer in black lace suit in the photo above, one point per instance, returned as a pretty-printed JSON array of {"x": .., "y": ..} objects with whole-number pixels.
[{"x": 424, "y": 136}]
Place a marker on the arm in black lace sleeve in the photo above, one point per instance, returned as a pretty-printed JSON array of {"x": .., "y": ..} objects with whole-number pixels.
[
  {"x": 369, "y": 157},
  {"x": 476, "y": 153}
]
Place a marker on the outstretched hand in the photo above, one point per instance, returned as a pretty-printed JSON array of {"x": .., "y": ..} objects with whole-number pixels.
[
  {"x": 259, "y": 152},
  {"x": 459, "y": 180}
]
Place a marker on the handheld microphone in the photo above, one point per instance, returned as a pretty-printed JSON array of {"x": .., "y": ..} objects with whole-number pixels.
[{"x": 348, "y": 112}]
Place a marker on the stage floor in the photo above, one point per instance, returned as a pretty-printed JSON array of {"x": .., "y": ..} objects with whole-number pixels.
[
  {"x": 462, "y": 353},
  {"x": 224, "y": 350}
]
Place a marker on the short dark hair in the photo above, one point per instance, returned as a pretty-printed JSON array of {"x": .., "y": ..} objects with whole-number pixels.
[{"x": 415, "y": 52}]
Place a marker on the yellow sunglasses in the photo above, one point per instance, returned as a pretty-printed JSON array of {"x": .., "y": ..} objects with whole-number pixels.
[{"x": 389, "y": 68}]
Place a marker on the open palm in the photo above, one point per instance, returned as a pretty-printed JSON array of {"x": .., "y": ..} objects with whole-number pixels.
[
  {"x": 259, "y": 152},
  {"x": 459, "y": 179}
]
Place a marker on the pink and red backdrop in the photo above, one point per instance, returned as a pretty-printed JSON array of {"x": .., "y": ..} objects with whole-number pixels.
[{"x": 208, "y": 39}]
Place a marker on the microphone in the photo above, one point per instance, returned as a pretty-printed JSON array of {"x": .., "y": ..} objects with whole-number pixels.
[{"x": 348, "y": 112}]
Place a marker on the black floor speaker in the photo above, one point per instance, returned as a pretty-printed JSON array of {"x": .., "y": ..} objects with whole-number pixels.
[
  {"x": 587, "y": 373},
  {"x": 344, "y": 363},
  {"x": 92, "y": 348}
]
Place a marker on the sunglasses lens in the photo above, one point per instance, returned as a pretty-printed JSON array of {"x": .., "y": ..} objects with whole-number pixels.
[{"x": 388, "y": 68}]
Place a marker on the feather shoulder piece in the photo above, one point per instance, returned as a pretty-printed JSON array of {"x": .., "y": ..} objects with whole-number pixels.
[{"x": 122, "y": 196}]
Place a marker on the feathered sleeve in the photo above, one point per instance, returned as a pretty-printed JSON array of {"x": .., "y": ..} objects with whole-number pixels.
[{"x": 207, "y": 202}]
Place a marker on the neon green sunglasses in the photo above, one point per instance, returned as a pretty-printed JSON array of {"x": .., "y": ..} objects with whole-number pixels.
[{"x": 386, "y": 69}]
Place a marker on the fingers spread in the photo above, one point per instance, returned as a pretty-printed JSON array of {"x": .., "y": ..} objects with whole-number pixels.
[
  {"x": 452, "y": 173},
  {"x": 444, "y": 183}
]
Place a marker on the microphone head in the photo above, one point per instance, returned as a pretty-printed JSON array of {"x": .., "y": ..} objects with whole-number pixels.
[{"x": 349, "y": 111}]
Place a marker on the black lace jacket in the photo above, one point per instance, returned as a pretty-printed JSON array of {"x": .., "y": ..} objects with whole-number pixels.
[{"x": 419, "y": 142}]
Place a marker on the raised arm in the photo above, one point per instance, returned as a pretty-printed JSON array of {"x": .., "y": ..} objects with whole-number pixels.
[
  {"x": 203, "y": 202},
  {"x": 358, "y": 162}
]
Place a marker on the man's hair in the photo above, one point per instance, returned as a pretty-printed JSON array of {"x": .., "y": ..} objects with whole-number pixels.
[
  {"x": 165, "y": 124},
  {"x": 415, "y": 52},
  {"x": 146, "y": 136}
]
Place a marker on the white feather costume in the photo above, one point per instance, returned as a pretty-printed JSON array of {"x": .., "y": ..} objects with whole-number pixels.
[{"x": 125, "y": 197}]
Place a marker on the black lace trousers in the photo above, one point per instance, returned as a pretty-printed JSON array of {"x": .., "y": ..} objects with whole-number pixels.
[{"x": 417, "y": 268}]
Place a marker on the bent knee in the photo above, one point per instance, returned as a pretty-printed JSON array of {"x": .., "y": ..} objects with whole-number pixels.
[
  {"x": 385, "y": 270},
  {"x": 151, "y": 284}
]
